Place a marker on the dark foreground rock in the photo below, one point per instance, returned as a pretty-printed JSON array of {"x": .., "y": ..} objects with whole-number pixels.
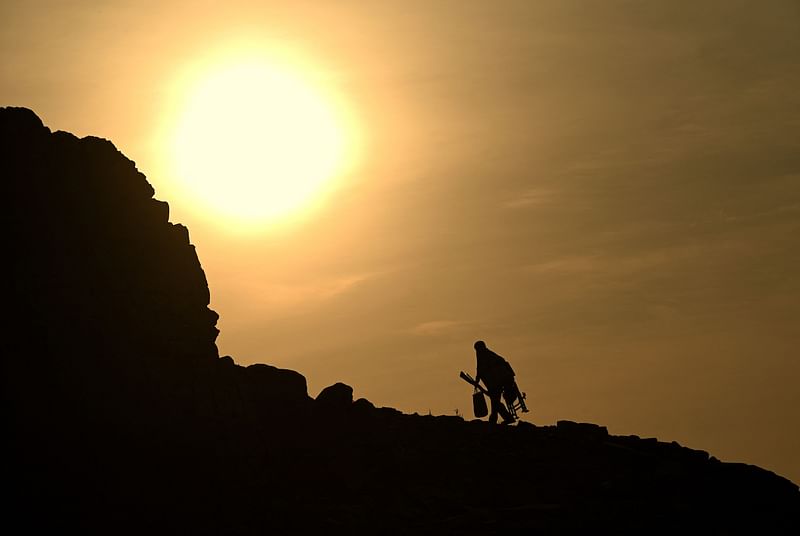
[{"x": 120, "y": 416}]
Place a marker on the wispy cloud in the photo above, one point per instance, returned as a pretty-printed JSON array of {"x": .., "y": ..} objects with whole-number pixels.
[
  {"x": 439, "y": 327},
  {"x": 284, "y": 295},
  {"x": 531, "y": 197},
  {"x": 623, "y": 265},
  {"x": 320, "y": 290},
  {"x": 567, "y": 265}
]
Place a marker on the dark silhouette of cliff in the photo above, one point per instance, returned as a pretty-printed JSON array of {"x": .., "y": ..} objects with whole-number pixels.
[{"x": 120, "y": 416}]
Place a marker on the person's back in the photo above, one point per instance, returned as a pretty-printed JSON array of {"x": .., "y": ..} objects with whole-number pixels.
[{"x": 492, "y": 368}]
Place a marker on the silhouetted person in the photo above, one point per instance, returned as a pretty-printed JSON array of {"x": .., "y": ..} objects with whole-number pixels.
[{"x": 498, "y": 376}]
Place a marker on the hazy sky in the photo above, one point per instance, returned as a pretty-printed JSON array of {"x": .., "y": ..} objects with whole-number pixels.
[{"x": 608, "y": 193}]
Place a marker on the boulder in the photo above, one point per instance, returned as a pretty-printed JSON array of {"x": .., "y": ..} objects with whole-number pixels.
[
  {"x": 276, "y": 385},
  {"x": 582, "y": 430},
  {"x": 338, "y": 396}
]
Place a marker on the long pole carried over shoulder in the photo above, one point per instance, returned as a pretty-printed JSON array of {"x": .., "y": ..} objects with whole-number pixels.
[{"x": 470, "y": 380}]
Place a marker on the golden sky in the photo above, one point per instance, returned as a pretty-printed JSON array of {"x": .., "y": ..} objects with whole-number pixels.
[{"x": 608, "y": 193}]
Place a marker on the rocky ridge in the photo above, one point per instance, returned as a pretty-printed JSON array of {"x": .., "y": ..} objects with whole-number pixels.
[{"x": 122, "y": 417}]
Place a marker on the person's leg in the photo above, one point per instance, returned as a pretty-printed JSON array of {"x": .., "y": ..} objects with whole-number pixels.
[
  {"x": 497, "y": 406},
  {"x": 503, "y": 412}
]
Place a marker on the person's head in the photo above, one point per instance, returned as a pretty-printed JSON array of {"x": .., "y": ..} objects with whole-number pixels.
[{"x": 479, "y": 345}]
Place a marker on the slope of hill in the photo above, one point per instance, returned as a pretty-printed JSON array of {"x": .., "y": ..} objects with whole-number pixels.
[{"x": 121, "y": 417}]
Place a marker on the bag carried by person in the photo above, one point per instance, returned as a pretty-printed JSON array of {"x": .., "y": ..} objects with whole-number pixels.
[{"x": 479, "y": 404}]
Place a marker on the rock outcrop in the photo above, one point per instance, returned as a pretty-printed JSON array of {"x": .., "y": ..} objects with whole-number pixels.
[{"x": 122, "y": 417}]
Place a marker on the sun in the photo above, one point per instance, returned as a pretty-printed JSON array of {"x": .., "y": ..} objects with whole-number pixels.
[{"x": 258, "y": 143}]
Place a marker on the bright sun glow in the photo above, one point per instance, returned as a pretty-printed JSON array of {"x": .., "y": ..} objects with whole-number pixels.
[{"x": 257, "y": 144}]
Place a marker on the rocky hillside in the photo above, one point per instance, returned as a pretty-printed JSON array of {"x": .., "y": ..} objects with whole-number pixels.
[{"x": 122, "y": 418}]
